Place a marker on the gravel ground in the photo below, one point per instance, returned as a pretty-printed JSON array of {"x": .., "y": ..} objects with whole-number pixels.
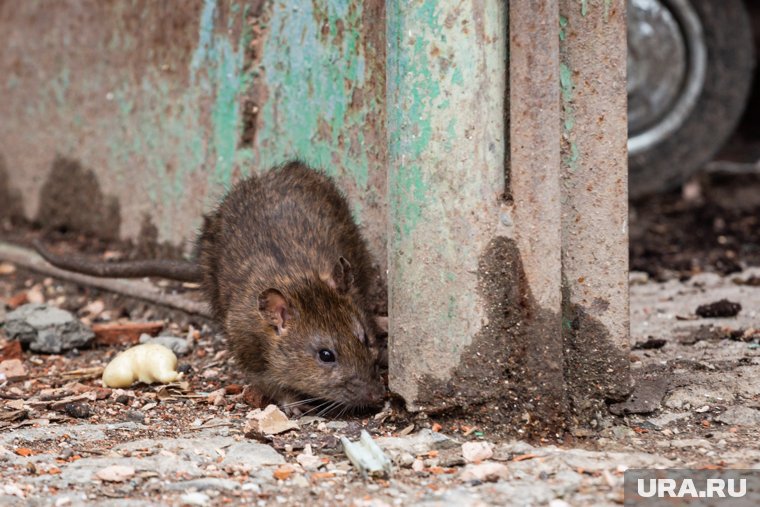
[{"x": 65, "y": 440}]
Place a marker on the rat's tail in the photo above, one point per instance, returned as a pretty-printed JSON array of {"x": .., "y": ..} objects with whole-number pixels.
[{"x": 183, "y": 271}]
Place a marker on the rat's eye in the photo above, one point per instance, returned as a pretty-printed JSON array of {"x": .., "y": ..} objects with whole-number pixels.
[{"x": 327, "y": 356}]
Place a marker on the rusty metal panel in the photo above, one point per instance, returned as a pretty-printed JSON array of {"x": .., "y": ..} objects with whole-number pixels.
[
  {"x": 533, "y": 211},
  {"x": 142, "y": 113},
  {"x": 446, "y": 85},
  {"x": 594, "y": 201}
]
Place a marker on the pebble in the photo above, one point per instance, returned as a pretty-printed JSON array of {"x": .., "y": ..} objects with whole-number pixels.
[
  {"x": 475, "y": 452},
  {"x": 179, "y": 346},
  {"x": 417, "y": 443},
  {"x": 740, "y": 416},
  {"x": 136, "y": 416},
  {"x": 308, "y": 460},
  {"x": 270, "y": 421},
  {"x": 46, "y": 328},
  {"x": 485, "y": 472},
  {"x": 78, "y": 410},
  {"x": 196, "y": 498}
]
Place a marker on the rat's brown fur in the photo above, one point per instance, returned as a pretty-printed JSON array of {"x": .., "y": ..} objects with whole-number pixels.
[{"x": 287, "y": 274}]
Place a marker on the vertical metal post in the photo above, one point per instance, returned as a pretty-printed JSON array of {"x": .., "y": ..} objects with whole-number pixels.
[
  {"x": 534, "y": 211},
  {"x": 594, "y": 200},
  {"x": 446, "y": 65}
]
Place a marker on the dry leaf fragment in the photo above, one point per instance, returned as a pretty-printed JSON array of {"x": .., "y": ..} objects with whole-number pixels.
[
  {"x": 523, "y": 457},
  {"x": 13, "y": 369},
  {"x": 116, "y": 333},
  {"x": 284, "y": 472}
]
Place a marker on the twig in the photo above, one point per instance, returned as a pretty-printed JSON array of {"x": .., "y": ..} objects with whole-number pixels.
[{"x": 25, "y": 258}]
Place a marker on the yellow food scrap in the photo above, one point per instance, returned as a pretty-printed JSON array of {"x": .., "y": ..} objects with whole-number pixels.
[{"x": 149, "y": 363}]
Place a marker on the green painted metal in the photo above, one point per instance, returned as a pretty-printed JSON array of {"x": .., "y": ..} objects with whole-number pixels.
[
  {"x": 160, "y": 105},
  {"x": 446, "y": 79}
]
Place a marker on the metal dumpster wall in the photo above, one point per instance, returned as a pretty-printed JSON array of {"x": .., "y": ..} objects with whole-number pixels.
[{"x": 119, "y": 117}]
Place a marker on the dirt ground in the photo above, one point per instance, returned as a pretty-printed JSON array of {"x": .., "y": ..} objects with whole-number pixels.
[{"x": 65, "y": 440}]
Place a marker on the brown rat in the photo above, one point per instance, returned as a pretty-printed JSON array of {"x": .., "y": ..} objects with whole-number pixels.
[{"x": 287, "y": 274}]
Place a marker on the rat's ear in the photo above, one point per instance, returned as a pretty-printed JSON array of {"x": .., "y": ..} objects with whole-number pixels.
[
  {"x": 275, "y": 309},
  {"x": 342, "y": 277}
]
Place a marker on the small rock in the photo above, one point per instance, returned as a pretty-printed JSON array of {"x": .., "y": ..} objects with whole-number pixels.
[
  {"x": 722, "y": 308},
  {"x": 13, "y": 369},
  {"x": 418, "y": 465},
  {"x": 136, "y": 416},
  {"x": 270, "y": 421},
  {"x": 196, "y": 498},
  {"x": 93, "y": 309},
  {"x": 638, "y": 278},
  {"x": 300, "y": 481},
  {"x": 124, "y": 399},
  {"x": 307, "y": 459},
  {"x": 116, "y": 473},
  {"x": 35, "y": 295},
  {"x": 337, "y": 425},
  {"x": 740, "y": 416},
  {"x": 485, "y": 472},
  {"x": 216, "y": 398},
  {"x": 417, "y": 443},
  {"x": 475, "y": 452},
  {"x": 78, "y": 410},
  {"x": 405, "y": 460},
  {"x": 206, "y": 483},
  {"x": 47, "y": 329},
  {"x": 2, "y": 312},
  {"x": 179, "y": 346}
]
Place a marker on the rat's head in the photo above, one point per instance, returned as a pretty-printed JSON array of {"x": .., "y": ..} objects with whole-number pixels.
[{"x": 321, "y": 342}]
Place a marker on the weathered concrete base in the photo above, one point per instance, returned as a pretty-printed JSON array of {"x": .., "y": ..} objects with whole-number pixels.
[{"x": 534, "y": 337}]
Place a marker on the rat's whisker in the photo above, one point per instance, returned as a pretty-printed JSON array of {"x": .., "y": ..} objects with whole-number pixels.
[
  {"x": 317, "y": 407},
  {"x": 299, "y": 403}
]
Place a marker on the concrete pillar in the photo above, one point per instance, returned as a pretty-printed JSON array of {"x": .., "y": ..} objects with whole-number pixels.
[
  {"x": 594, "y": 202},
  {"x": 507, "y": 225},
  {"x": 446, "y": 73}
]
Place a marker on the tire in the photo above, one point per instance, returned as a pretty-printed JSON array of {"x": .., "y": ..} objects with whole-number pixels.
[{"x": 715, "y": 111}]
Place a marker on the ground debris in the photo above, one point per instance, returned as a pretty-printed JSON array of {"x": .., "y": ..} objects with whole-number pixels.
[
  {"x": 119, "y": 333},
  {"x": 46, "y": 329},
  {"x": 475, "y": 452},
  {"x": 650, "y": 343},
  {"x": 719, "y": 309},
  {"x": 267, "y": 422},
  {"x": 367, "y": 456}
]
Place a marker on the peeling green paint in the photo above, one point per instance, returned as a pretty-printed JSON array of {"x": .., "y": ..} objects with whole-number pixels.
[
  {"x": 314, "y": 64},
  {"x": 169, "y": 114},
  {"x": 562, "y": 27}
]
